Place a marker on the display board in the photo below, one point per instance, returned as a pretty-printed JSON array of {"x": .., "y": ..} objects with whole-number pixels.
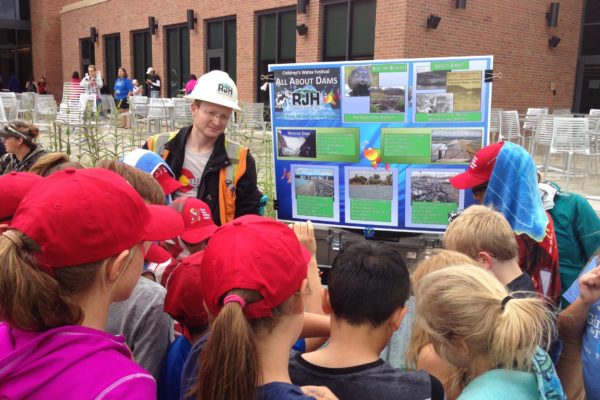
[{"x": 372, "y": 144}]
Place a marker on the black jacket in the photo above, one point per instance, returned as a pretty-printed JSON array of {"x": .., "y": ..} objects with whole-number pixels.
[{"x": 248, "y": 196}]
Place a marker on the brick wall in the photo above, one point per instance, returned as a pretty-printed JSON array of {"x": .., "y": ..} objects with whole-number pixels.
[{"x": 513, "y": 31}]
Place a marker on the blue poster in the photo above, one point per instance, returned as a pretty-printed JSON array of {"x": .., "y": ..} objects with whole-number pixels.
[{"x": 373, "y": 144}]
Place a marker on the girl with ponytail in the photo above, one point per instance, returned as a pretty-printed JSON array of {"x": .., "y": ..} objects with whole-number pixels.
[
  {"x": 253, "y": 278},
  {"x": 475, "y": 324}
]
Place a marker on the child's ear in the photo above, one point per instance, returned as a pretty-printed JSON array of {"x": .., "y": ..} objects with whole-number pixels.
[
  {"x": 485, "y": 260},
  {"x": 325, "y": 303},
  {"x": 114, "y": 268},
  {"x": 396, "y": 318}
]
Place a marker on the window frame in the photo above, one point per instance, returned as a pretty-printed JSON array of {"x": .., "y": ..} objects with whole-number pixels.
[
  {"x": 349, "y": 10},
  {"x": 209, "y": 53},
  {"x": 133, "y": 72},
  {"x": 167, "y": 77},
  {"x": 110, "y": 79}
]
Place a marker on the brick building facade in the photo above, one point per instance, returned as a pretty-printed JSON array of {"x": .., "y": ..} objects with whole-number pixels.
[{"x": 515, "y": 32}]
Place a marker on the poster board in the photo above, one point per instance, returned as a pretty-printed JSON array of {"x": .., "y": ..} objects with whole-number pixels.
[{"x": 372, "y": 144}]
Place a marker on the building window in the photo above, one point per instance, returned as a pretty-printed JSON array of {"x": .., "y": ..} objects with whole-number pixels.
[
  {"x": 276, "y": 44},
  {"x": 141, "y": 44},
  {"x": 14, "y": 10},
  {"x": 220, "y": 46},
  {"x": 178, "y": 58},
  {"x": 112, "y": 60},
  {"x": 348, "y": 30},
  {"x": 88, "y": 54}
]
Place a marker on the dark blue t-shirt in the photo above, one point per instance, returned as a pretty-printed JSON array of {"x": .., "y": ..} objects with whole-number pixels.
[
  {"x": 169, "y": 384},
  {"x": 189, "y": 375},
  {"x": 281, "y": 391}
]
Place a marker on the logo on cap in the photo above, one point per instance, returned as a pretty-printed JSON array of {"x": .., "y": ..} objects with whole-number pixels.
[{"x": 225, "y": 89}]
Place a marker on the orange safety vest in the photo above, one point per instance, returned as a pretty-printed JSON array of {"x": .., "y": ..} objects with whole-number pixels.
[{"x": 228, "y": 176}]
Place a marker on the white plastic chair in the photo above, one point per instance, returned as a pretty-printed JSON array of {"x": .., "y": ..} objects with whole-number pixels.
[
  {"x": 530, "y": 124},
  {"x": 252, "y": 116},
  {"x": 10, "y": 103},
  {"x": 544, "y": 134},
  {"x": 510, "y": 128},
  {"x": 562, "y": 112},
  {"x": 571, "y": 137},
  {"x": 26, "y": 105},
  {"x": 3, "y": 119},
  {"x": 495, "y": 122},
  {"x": 182, "y": 112},
  {"x": 44, "y": 111},
  {"x": 160, "y": 110}
]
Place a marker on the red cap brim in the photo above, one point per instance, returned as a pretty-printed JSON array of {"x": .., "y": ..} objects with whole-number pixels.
[
  {"x": 165, "y": 223},
  {"x": 468, "y": 180},
  {"x": 199, "y": 234},
  {"x": 157, "y": 254},
  {"x": 168, "y": 184}
]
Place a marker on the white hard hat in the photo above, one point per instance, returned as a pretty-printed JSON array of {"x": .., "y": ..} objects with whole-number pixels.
[{"x": 216, "y": 87}]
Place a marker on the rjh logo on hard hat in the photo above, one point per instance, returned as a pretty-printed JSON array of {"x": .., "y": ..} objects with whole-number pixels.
[{"x": 225, "y": 89}]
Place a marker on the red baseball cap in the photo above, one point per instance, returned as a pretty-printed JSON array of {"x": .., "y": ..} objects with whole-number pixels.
[
  {"x": 480, "y": 168},
  {"x": 197, "y": 219},
  {"x": 13, "y": 187},
  {"x": 157, "y": 254},
  {"x": 165, "y": 180},
  {"x": 184, "y": 301},
  {"x": 254, "y": 253},
  {"x": 86, "y": 215}
]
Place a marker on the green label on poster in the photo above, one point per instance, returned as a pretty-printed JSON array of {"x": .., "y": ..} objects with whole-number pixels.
[
  {"x": 338, "y": 144},
  {"x": 381, "y": 117},
  {"x": 406, "y": 146},
  {"x": 449, "y": 117},
  {"x": 449, "y": 65},
  {"x": 315, "y": 206},
  {"x": 432, "y": 213},
  {"x": 332, "y": 144},
  {"x": 371, "y": 210},
  {"x": 389, "y": 68}
]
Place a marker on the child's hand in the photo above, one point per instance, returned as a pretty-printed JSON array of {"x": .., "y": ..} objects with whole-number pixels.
[
  {"x": 305, "y": 232},
  {"x": 319, "y": 392},
  {"x": 589, "y": 286}
]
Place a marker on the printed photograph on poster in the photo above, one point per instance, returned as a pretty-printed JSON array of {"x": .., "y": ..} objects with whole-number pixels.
[
  {"x": 315, "y": 193},
  {"x": 369, "y": 184},
  {"x": 310, "y": 93},
  {"x": 430, "y": 80},
  {"x": 455, "y": 145},
  {"x": 375, "y": 93},
  {"x": 435, "y": 103},
  {"x": 387, "y": 99},
  {"x": 430, "y": 197},
  {"x": 371, "y": 196},
  {"x": 297, "y": 143},
  {"x": 359, "y": 81},
  {"x": 465, "y": 87}
]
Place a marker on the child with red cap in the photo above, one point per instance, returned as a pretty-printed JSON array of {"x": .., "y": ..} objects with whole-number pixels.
[
  {"x": 503, "y": 175},
  {"x": 76, "y": 244},
  {"x": 254, "y": 280},
  {"x": 13, "y": 187},
  {"x": 184, "y": 302}
]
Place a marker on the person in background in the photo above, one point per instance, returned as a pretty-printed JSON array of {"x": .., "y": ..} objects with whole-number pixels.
[
  {"x": 138, "y": 90},
  {"x": 14, "y": 85},
  {"x": 75, "y": 78},
  {"x": 22, "y": 149},
  {"x": 30, "y": 85},
  {"x": 58, "y": 280},
  {"x": 577, "y": 228},
  {"x": 189, "y": 86},
  {"x": 42, "y": 86},
  {"x": 123, "y": 88},
  {"x": 92, "y": 81},
  {"x": 153, "y": 82},
  {"x": 475, "y": 324}
]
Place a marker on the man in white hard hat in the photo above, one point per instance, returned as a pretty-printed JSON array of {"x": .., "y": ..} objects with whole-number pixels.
[{"x": 209, "y": 166}]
